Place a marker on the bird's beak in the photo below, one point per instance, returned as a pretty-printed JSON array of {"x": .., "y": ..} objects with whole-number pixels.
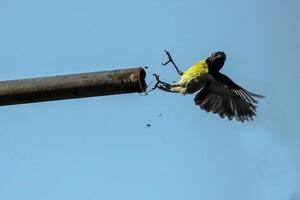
[
  {"x": 218, "y": 56},
  {"x": 215, "y": 57}
]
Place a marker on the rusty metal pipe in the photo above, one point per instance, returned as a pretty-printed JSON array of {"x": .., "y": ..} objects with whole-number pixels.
[{"x": 72, "y": 86}]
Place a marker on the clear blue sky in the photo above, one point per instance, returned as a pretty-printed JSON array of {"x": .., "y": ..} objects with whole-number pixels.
[{"x": 100, "y": 148}]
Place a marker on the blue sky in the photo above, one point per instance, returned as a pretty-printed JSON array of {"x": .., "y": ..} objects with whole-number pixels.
[{"x": 100, "y": 148}]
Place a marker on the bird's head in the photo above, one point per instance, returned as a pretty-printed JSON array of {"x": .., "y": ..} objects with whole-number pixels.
[{"x": 216, "y": 61}]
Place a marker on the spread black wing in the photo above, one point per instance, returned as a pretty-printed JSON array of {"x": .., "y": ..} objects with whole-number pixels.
[{"x": 221, "y": 95}]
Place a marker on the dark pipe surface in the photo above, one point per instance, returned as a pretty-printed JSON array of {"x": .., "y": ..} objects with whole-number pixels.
[{"x": 72, "y": 86}]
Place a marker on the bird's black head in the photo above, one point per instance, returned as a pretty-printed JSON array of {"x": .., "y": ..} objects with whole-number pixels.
[{"x": 216, "y": 61}]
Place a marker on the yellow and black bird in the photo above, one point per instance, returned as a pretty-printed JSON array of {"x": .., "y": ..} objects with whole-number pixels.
[{"x": 217, "y": 92}]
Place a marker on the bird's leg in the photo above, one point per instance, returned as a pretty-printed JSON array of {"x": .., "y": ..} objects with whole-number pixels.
[
  {"x": 162, "y": 85},
  {"x": 158, "y": 81},
  {"x": 170, "y": 60}
]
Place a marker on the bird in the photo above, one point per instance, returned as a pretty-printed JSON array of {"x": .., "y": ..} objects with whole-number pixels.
[{"x": 217, "y": 93}]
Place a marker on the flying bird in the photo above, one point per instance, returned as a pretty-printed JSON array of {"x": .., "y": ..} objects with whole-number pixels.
[{"x": 217, "y": 93}]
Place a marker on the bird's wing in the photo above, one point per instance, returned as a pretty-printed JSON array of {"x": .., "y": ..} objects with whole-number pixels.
[{"x": 221, "y": 95}]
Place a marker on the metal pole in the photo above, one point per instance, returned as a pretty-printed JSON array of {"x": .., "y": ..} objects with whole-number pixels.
[{"x": 72, "y": 86}]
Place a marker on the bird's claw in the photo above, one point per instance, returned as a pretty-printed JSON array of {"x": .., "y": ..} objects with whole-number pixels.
[
  {"x": 157, "y": 81},
  {"x": 156, "y": 77},
  {"x": 169, "y": 58}
]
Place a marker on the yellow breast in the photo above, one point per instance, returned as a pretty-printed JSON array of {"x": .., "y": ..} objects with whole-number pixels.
[{"x": 198, "y": 69}]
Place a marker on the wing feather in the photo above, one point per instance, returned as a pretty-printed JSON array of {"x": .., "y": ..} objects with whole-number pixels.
[{"x": 219, "y": 94}]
